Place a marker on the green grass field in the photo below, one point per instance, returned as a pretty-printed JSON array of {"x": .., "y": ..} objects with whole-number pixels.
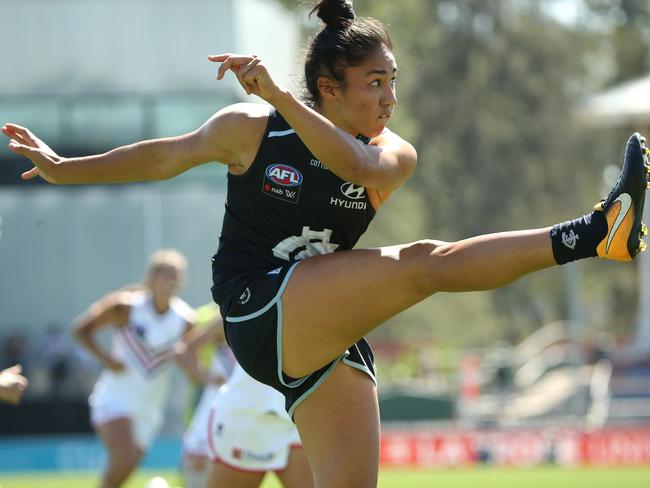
[{"x": 447, "y": 478}]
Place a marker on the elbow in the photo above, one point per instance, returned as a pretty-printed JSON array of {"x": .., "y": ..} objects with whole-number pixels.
[
  {"x": 161, "y": 171},
  {"x": 80, "y": 332}
]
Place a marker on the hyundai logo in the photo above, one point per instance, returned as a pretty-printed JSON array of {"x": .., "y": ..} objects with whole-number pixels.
[{"x": 352, "y": 191}]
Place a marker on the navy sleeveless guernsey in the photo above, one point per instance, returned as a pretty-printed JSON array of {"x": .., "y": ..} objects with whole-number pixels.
[{"x": 286, "y": 207}]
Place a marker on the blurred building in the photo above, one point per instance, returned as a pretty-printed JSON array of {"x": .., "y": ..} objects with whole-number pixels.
[
  {"x": 101, "y": 72},
  {"x": 87, "y": 76}
]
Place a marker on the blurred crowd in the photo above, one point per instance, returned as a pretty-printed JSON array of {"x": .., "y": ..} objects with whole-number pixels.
[
  {"x": 56, "y": 366},
  {"x": 538, "y": 379}
]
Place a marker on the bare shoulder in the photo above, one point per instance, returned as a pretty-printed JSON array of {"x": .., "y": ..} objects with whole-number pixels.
[
  {"x": 247, "y": 111},
  {"x": 238, "y": 129},
  {"x": 240, "y": 115}
]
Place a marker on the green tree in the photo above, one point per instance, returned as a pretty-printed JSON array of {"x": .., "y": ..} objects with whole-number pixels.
[{"x": 625, "y": 29}]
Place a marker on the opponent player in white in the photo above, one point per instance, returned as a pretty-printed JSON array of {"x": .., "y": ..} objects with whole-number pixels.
[
  {"x": 242, "y": 426},
  {"x": 128, "y": 400}
]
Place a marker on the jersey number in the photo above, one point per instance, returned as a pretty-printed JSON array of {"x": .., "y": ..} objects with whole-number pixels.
[{"x": 309, "y": 243}]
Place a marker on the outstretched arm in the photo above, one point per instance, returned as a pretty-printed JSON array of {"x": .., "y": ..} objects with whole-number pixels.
[{"x": 221, "y": 139}]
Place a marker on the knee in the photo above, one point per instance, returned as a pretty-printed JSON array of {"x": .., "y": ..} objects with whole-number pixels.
[{"x": 426, "y": 257}]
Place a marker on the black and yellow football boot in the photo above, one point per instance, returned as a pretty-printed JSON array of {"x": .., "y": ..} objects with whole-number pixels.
[{"x": 623, "y": 207}]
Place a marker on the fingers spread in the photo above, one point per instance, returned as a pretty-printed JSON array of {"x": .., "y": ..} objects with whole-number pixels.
[
  {"x": 18, "y": 130},
  {"x": 14, "y": 127},
  {"x": 19, "y": 148},
  {"x": 19, "y": 133},
  {"x": 32, "y": 173},
  {"x": 11, "y": 131}
]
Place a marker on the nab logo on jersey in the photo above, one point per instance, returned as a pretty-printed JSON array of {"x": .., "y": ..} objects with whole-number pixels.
[{"x": 282, "y": 181}]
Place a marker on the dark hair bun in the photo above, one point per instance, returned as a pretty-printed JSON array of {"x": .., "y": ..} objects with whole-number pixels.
[{"x": 334, "y": 12}]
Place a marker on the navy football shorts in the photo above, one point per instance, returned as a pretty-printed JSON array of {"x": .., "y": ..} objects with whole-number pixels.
[{"x": 253, "y": 327}]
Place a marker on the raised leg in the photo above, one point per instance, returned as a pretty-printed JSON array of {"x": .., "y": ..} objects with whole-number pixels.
[{"x": 332, "y": 301}]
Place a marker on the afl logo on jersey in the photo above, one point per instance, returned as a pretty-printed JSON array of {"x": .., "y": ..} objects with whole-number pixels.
[
  {"x": 284, "y": 175},
  {"x": 282, "y": 181}
]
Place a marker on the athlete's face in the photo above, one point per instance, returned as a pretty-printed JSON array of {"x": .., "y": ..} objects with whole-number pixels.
[
  {"x": 366, "y": 100},
  {"x": 165, "y": 281}
]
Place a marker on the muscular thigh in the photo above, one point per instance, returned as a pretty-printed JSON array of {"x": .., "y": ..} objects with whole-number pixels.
[{"x": 332, "y": 301}]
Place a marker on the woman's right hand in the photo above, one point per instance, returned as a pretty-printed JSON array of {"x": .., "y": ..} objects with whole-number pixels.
[
  {"x": 251, "y": 73},
  {"x": 24, "y": 142},
  {"x": 12, "y": 384}
]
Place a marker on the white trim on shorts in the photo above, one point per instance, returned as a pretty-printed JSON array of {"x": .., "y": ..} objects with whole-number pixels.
[{"x": 277, "y": 301}]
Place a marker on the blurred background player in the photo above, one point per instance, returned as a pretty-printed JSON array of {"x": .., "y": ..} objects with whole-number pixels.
[
  {"x": 242, "y": 426},
  {"x": 127, "y": 402},
  {"x": 12, "y": 384},
  {"x": 251, "y": 434}
]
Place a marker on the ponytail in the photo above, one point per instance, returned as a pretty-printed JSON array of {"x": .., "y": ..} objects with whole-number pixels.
[
  {"x": 343, "y": 40},
  {"x": 334, "y": 13}
]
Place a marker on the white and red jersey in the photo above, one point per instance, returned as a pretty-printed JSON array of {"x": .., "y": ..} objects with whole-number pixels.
[
  {"x": 241, "y": 396},
  {"x": 248, "y": 427},
  {"x": 144, "y": 345}
]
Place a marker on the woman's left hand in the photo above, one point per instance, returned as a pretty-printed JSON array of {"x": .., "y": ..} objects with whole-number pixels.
[
  {"x": 251, "y": 73},
  {"x": 24, "y": 142}
]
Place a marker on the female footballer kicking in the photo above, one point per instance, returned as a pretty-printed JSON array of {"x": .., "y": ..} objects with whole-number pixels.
[{"x": 305, "y": 178}]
